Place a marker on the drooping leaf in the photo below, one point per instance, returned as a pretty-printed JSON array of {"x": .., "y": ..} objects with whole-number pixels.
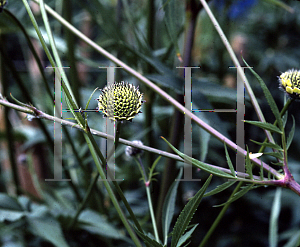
[
  {"x": 187, "y": 213},
  {"x": 199, "y": 164},
  {"x": 266, "y": 126},
  {"x": 169, "y": 207}
]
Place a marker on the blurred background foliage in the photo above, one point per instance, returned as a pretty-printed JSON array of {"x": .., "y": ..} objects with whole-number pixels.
[{"x": 152, "y": 38}]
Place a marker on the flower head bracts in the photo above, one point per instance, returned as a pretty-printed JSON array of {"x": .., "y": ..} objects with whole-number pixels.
[
  {"x": 290, "y": 82},
  {"x": 120, "y": 101}
]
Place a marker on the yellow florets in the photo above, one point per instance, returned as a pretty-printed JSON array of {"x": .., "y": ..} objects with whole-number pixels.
[
  {"x": 120, "y": 101},
  {"x": 290, "y": 82}
]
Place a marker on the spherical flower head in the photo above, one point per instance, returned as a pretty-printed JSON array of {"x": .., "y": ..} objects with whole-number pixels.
[
  {"x": 132, "y": 151},
  {"x": 120, "y": 101},
  {"x": 290, "y": 82}
]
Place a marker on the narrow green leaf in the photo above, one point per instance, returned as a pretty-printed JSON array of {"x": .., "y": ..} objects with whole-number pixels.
[
  {"x": 88, "y": 102},
  {"x": 269, "y": 98},
  {"x": 273, "y": 226},
  {"x": 282, "y": 5},
  {"x": 266, "y": 126},
  {"x": 169, "y": 207},
  {"x": 187, "y": 213},
  {"x": 229, "y": 161},
  {"x": 151, "y": 172},
  {"x": 219, "y": 188},
  {"x": 294, "y": 240},
  {"x": 276, "y": 155},
  {"x": 284, "y": 119},
  {"x": 261, "y": 172},
  {"x": 248, "y": 165},
  {"x": 199, "y": 164},
  {"x": 148, "y": 240},
  {"x": 186, "y": 236},
  {"x": 277, "y": 164},
  {"x": 237, "y": 195},
  {"x": 268, "y": 144},
  {"x": 291, "y": 134},
  {"x": 174, "y": 21}
]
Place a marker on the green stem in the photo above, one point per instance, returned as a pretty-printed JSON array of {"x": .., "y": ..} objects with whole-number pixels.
[
  {"x": 95, "y": 151},
  {"x": 220, "y": 216},
  {"x": 85, "y": 200},
  {"x": 152, "y": 213},
  {"x": 147, "y": 186}
]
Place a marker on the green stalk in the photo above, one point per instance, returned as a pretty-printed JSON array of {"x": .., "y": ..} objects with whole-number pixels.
[
  {"x": 152, "y": 213},
  {"x": 147, "y": 186},
  {"x": 219, "y": 218},
  {"x": 91, "y": 144}
]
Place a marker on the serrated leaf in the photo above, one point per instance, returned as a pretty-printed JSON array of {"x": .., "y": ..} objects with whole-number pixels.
[
  {"x": 219, "y": 188},
  {"x": 229, "y": 161},
  {"x": 266, "y": 126},
  {"x": 186, "y": 236},
  {"x": 268, "y": 144},
  {"x": 291, "y": 135},
  {"x": 273, "y": 226},
  {"x": 269, "y": 98},
  {"x": 88, "y": 102},
  {"x": 169, "y": 207},
  {"x": 199, "y": 164},
  {"x": 148, "y": 240},
  {"x": 187, "y": 213},
  {"x": 237, "y": 195}
]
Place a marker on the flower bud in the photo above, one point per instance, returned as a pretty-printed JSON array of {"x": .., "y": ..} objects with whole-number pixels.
[
  {"x": 120, "y": 101},
  {"x": 290, "y": 82}
]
